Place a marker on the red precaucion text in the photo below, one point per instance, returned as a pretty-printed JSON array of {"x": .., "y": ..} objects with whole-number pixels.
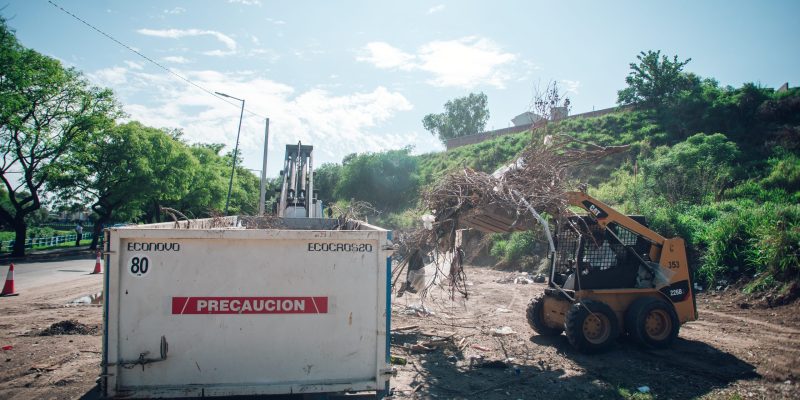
[{"x": 249, "y": 305}]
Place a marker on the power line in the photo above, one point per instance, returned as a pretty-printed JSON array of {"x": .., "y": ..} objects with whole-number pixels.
[{"x": 156, "y": 63}]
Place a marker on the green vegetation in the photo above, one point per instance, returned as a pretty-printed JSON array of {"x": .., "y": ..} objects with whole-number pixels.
[
  {"x": 61, "y": 137},
  {"x": 718, "y": 166},
  {"x": 462, "y": 116}
]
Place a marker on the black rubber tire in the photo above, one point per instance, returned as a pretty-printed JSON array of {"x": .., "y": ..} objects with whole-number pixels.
[
  {"x": 602, "y": 316},
  {"x": 535, "y": 315},
  {"x": 660, "y": 311}
]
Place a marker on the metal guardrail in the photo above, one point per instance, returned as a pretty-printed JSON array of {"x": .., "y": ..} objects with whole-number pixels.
[
  {"x": 46, "y": 241},
  {"x": 66, "y": 226}
]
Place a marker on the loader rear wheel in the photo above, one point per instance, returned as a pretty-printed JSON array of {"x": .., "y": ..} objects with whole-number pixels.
[
  {"x": 652, "y": 322},
  {"x": 591, "y": 326},
  {"x": 535, "y": 314}
]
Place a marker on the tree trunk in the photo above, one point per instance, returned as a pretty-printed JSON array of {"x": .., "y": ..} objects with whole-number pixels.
[
  {"x": 21, "y": 230},
  {"x": 98, "y": 229}
]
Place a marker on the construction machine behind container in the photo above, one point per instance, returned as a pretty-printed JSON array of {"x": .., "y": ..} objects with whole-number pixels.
[{"x": 609, "y": 275}]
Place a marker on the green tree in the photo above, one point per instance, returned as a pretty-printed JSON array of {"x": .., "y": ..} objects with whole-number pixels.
[
  {"x": 171, "y": 167},
  {"x": 654, "y": 81},
  {"x": 209, "y": 184},
  {"x": 387, "y": 180},
  {"x": 46, "y": 111},
  {"x": 461, "y": 117},
  {"x": 326, "y": 177},
  {"x": 112, "y": 173}
]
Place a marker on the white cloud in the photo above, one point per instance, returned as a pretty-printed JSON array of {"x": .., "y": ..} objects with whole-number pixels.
[
  {"x": 335, "y": 123},
  {"x": 176, "y": 59},
  {"x": 465, "y": 62},
  {"x": 229, "y": 43},
  {"x": 246, "y": 2},
  {"x": 176, "y": 10},
  {"x": 570, "y": 86},
  {"x": 110, "y": 76},
  {"x": 133, "y": 64},
  {"x": 385, "y": 56},
  {"x": 436, "y": 9},
  {"x": 276, "y": 21}
]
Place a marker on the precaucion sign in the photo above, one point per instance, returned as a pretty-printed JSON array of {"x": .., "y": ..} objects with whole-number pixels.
[{"x": 249, "y": 305}]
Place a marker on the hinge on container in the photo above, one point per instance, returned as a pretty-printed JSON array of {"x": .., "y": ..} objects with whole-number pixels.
[{"x": 388, "y": 371}]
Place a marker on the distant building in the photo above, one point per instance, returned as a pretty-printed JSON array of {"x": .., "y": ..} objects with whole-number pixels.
[
  {"x": 783, "y": 88},
  {"x": 558, "y": 113},
  {"x": 526, "y": 119}
]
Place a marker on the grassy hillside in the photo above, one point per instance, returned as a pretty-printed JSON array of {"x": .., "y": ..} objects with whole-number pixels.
[{"x": 721, "y": 168}]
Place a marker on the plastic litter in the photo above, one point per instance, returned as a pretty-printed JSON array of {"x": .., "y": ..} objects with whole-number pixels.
[
  {"x": 503, "y": 331},
  {"x": 643, "y": 389},
  {"x": 427, "y": 221}
]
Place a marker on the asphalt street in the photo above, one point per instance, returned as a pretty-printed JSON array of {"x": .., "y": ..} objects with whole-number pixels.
[{"x": 35, "y": 274}]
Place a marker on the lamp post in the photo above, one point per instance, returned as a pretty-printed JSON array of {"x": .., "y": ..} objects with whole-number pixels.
[{"x": 235, "y": 150}]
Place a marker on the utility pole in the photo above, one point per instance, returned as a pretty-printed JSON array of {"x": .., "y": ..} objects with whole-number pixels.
[{"x": 263, "y": 198}]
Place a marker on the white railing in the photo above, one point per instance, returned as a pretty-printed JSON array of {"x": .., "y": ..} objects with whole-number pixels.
[{"x": 49, "y": 241}]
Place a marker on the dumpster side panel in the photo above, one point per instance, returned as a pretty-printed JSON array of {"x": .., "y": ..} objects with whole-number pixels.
[{"x": 246, "y": 312}]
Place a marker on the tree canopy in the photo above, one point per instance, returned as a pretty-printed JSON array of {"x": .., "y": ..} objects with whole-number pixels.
[
  {"x": 46, "y": 111},
  {"x": 654, "y": 81},
  {"x": 461, "y": 117}
]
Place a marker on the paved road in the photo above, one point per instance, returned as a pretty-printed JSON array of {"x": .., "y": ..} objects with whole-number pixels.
[{"x": 34, "y": 274}]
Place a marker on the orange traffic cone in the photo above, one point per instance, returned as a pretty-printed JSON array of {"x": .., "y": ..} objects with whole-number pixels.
[
  {"x": 97, "y": 268},
  {"x": 8, "y": 288}
]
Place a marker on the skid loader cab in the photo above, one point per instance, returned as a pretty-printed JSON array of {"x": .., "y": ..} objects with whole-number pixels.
[
  {"x": 610, "y": 274},
  {"x": 603, "y": 259}
]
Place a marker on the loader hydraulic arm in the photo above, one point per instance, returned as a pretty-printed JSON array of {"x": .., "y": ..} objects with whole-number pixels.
[{"x": 605, "y": 215}]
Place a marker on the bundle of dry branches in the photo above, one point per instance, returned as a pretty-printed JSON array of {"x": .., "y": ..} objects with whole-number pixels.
[{"x": 535, "y": 183}]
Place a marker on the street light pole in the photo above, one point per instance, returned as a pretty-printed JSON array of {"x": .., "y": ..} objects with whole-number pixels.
[
  {"x": 235, "y": 150},
  {"x": 263, "y": 198}
]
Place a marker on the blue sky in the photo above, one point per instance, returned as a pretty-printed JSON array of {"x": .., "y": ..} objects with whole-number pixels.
[{"x": 356, "y": 76}]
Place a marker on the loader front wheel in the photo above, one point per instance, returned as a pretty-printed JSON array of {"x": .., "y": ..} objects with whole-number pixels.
[
  {"x": 591, "y": 326},
  {"x": 652, "y": 322},
  {"x": 535, "y": 314}
]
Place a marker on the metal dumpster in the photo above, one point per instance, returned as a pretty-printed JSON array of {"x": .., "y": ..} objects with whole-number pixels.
[{"x": 235, "y": 306}]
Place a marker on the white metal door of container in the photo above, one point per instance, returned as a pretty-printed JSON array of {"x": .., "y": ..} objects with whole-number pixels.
[{"x": 274, "y": 313}]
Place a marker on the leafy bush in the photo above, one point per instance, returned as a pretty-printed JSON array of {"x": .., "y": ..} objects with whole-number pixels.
[
  {"x": 691, "y": 170},
  {"x": 511, "y": 248}
]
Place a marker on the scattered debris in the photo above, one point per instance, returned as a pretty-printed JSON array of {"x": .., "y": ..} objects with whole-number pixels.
[
  {"x": 523, "y": 280},
  {"x": 397, "y": 360},
  {"x": 420, "y": 348},
  {"x": 643, "y": 389},
  {"x": 479, "y": 347},
  {"x": 68, "y": 327},
  {"x": 418, "y": 310},
  {"x": 405, "y": 328},
  {"x": 540, "y": 278},
  {"x": 503, "y": 331},
  {"x": 9, "y": 347},
  {"x": 502, "y": 310}
]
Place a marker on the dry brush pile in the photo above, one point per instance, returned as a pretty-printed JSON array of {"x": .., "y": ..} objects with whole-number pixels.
[{"x": 535, "y": 183}]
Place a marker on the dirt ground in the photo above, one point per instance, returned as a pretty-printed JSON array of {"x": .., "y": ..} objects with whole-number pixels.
[
  {"x": 50, "y": 367},
  {"x": 733, "y": 351}
]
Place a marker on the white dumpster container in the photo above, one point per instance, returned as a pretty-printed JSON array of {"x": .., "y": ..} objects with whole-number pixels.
[{"x": 218, "y": 309}]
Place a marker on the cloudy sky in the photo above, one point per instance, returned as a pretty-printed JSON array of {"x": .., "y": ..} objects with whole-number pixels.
[{"x": 358, "y": 76}]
